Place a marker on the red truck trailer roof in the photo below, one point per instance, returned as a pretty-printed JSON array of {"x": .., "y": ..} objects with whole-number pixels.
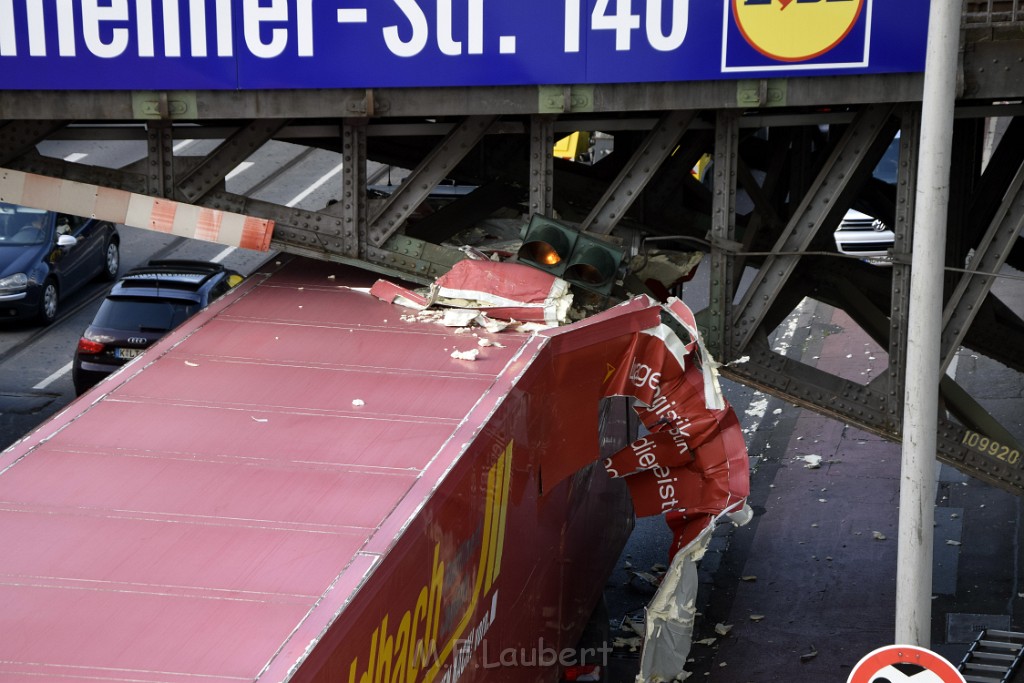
[{"x": 298, "y": 484}]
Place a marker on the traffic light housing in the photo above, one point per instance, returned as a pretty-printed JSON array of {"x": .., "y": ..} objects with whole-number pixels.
[{"x": 565, "y": 252}]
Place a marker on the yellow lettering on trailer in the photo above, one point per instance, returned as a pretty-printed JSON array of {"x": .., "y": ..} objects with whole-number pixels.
[{"x": 410, "y": 653}]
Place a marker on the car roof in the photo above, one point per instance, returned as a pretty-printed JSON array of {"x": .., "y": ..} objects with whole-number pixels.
[{"x": 173, "y": 277}]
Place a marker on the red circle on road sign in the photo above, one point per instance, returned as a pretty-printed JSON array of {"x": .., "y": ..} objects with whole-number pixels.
[{"x": 873, "y": 662}]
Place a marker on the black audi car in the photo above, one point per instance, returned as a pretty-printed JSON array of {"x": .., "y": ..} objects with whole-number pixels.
[
  {"x": 44, "y": 256},
  {"x": 143, "y": 306}
]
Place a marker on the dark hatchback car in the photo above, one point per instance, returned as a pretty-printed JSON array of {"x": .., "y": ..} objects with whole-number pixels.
[
  {"x": 44, "y": 256},
  {"x": 143, "y": 306}
]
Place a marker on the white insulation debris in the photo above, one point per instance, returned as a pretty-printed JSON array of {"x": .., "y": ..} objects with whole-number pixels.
[
  {"x": 811, "y": 462},
  {"x": 670, "y": 615},
  {"x": 671, "y": 612}
]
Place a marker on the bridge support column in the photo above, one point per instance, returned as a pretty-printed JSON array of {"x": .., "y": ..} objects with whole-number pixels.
[
  {"x": 542, "y": 164},
  {"x": 921, "y": 404}
]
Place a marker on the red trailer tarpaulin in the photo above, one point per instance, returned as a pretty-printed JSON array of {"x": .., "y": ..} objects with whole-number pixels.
[
  {"x": 305, "y": 483},
  {"x": 691, "y": 464}
]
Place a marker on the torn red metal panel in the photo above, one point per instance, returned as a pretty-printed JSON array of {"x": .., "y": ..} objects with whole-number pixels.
[
  {"x": 693, "y": 463},
  {"x": 389, "y": 292},
  {"x": 507, "y": 290},
  {"x": 301, "y": 485}
]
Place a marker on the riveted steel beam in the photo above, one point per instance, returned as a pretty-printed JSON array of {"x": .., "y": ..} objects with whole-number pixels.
[
  {"x": 973, "y": 453},
  {"x": 417, "y": 260},
  {"x": 34, "y": 162},
  {"x": 990, "y": 255},
  {"x": 723, "y": 234},
  {"x": 903, "y": 228},
  {"x": 542, "y": 165},
  {"x": 638, "y": 171},
  {"x": 972, "y": 415},
  {"x": 828, "y": 198},
  {"x": 20, "y": 137},
  {"x": 812, "y": 388},
  {"x": 437, "y": 165},
  {"x": 221, "y": 161},
  {"x": 354, "y": 203},
  {"x": 323, "y": 235},
  {"x": 160, "y": 158}
]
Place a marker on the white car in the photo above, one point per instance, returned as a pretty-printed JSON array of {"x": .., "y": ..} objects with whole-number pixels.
[{"x": 864, "y": 236}]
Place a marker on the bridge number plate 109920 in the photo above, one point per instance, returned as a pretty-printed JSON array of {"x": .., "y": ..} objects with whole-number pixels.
[{"x": 991, "y": 447}]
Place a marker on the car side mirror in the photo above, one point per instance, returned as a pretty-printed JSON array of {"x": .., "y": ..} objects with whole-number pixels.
[{"x": 66, "y": 241}]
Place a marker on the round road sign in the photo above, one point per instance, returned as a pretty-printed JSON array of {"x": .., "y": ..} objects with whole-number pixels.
[{"x": 894, "y": 663}]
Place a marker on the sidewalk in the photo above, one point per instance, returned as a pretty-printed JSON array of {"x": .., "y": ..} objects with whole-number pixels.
[{"x": 808, "y": 588}]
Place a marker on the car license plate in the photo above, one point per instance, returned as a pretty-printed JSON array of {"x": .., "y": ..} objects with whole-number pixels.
[{"x": 127, "y": 354}]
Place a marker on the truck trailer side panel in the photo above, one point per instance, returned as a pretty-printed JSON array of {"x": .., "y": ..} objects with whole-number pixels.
[{"x": 301, "y": 485}]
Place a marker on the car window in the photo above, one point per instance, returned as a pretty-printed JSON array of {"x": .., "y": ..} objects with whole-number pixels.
[
  {"x": 68, "y": 224},
  {"x": 143, "y": 314},
  {"x": 888, "y": 167},
  {"x": 20, "y": 225},
  {"x": 219, "y": 290}
]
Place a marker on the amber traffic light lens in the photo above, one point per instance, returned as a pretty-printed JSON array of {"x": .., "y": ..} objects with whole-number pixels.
[
  {"x": 545, "y": 246},
  {"x": 541, "y": 252}
]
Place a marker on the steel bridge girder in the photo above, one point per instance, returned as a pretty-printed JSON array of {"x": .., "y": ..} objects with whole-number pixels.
[
  {"x": 638, "y": 171},
  {"x": 226, "y": 157},
  {"x": 424, "y": 178},
  {"x": 825, "y": 198},
  {"x": 990, "y": 255}
]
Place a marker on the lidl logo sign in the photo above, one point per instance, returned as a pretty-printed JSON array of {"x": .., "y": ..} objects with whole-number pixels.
[
  {"x": 795, "y": 30},
  {"x": 795, "y": 34}
]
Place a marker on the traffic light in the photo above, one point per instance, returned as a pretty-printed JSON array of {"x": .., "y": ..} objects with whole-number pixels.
[{"x": 567, "y": 253}]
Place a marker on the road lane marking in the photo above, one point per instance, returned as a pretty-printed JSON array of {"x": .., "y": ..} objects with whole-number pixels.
[
  {"x": 315, "y": 186},
  {"x": 222, "y": 255},
  {"x": 241, "y": 168},
  {"x": 54, "y": 377}
]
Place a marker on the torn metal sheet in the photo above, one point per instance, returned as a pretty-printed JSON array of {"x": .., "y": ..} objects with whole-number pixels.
[
  {"x": 664, "y": 270},
  {"x": 670, "y": 615},
  {"x": 691, "y": 463},
  {"x": 509, "y": 291}
]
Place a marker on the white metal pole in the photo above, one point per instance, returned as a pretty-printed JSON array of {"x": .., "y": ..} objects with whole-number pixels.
[{"x": 921, "y": 401}]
